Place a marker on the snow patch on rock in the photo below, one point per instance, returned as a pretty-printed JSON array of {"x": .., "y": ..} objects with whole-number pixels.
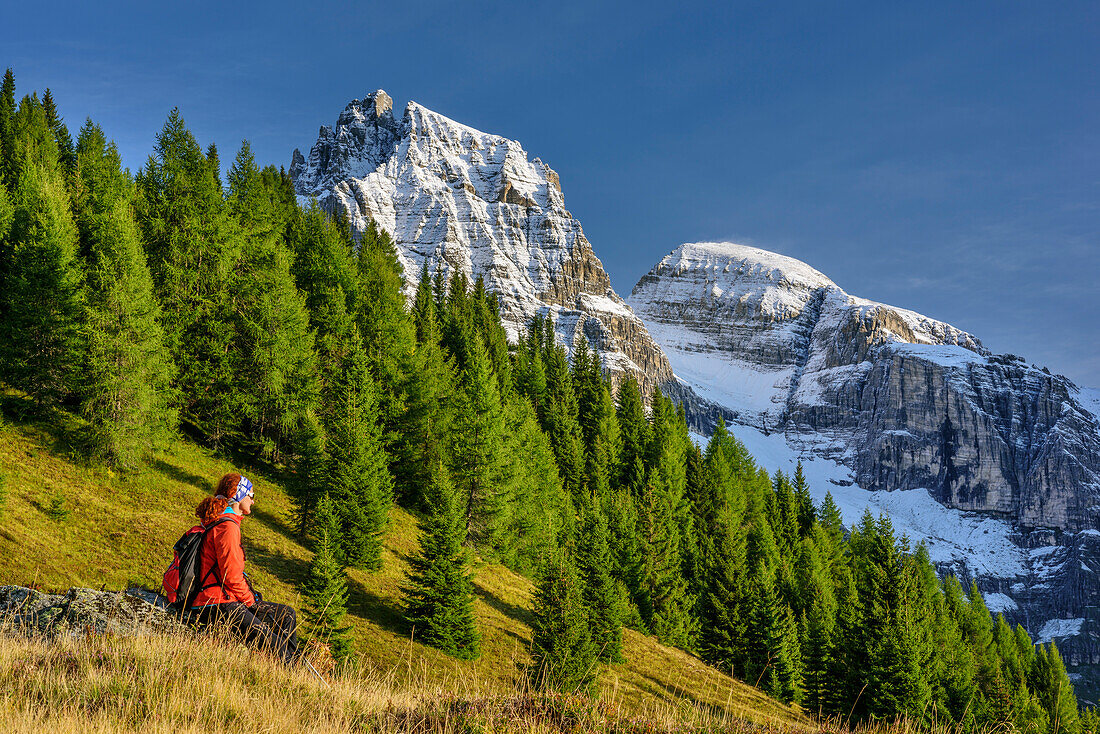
[
  {"x": 981, "y": 545},
  {"x": 1055, "y": 629}
]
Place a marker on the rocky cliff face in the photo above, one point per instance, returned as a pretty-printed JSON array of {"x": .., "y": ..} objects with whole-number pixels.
[
  {"x": 906, "y": 401},
  {"x": 900, "y": 402},
  {"x": 460, "y": 199}
]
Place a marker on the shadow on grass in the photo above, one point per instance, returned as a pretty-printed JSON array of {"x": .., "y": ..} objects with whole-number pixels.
[
  {"x": 518, "y": 613},
  {"x": 377, "y": 609},
  {"x": 63, "y": 434},
  {"x": 676, "y": 692},
  {"x": 181, "y": 475},
  {"x": 293, "y": 571},
  {"x": 275, "y": 523}
]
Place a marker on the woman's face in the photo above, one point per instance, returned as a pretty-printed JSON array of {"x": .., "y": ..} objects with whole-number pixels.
[{"x": 245, "y": 505}]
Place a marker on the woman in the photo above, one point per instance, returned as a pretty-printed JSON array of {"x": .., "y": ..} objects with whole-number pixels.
[{"x": 226, "y": 596}]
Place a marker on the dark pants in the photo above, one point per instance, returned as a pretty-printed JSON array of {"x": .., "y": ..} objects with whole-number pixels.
[{"x": 267, "y": 626}]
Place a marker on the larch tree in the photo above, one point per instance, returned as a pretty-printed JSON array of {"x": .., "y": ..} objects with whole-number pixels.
[
  {"x": 277, "y": 367},
  {"x": 128, "y": 371},
  {"x": 192, "y": 244},
  {"x": 41, "y": 336}
]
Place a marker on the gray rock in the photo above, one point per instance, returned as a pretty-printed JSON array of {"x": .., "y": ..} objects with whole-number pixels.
[
  {"x": 84, "y": 611},
  {"x": 27, "y": 609}
]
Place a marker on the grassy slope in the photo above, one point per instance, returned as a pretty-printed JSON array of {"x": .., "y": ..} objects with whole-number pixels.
[{"x": 121, "y": 529}]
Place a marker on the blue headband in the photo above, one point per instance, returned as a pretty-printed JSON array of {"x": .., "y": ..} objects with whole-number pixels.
[{"x": 244, "y": 489}]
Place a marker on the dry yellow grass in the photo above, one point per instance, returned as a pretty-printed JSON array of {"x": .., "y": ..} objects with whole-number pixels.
[
  {"x": 188, "y": 684},
  {"x": 121, "y": 529},
  {"x": 184, "y": 683}
]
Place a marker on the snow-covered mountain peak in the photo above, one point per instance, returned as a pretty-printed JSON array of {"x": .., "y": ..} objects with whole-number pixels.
[
  {"x": 735, "y": 290},
  {"x": 383, "y": 103},
  {"x": 456, "y": 198},
  {"x": 774, "y": 344},
  {"x": 743, "y": 262},
  {"x": 992, "y": 463}
]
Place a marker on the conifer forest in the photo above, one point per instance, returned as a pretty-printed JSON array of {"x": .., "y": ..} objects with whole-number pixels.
[{"x": 170, "y": 301}]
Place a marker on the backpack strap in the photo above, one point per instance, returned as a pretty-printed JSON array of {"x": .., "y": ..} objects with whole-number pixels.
[{"x": 214, "y": 567}]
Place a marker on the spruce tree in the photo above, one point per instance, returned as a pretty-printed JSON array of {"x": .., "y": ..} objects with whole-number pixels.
[
  {"x": 424, "y": 313},
  {"x": 784, "y": 515},
  {"x": 426, "y": 423},
  {"x": 634, "y": 434},
  {"x": 66, "y": 154},
  {"x": 477, "y": 449},
  {"x": 722, "y": 549},
  {"x": 326, "y": 591},
  {"x": 7, "y": 129},
  {"x": 899, "y": 684},
  {"x": 598, "y": 423},
  {"x": 820, "y": 626},
  {"x": 310, "y": 482},
  {"x": 563, "y": 655},
  {"x": 846, "y": 660},
  {"x": 127, "y": 371},
  {"x": 559, "y": 420},
  {"x": 439, "y": 598},
  {"x": 665, "y": 522},
  {"x": 601, "y": 596},
  {"x": 485, "y": 310},
  {"x": 358, "y": 472},
  {"x": 806, "y": 512},
  {"x": 457, "y": 322},
  {"x": 530, "y": 373},
  {"x": 664, "y": 602},
  {"x": 773, "y": 657}
]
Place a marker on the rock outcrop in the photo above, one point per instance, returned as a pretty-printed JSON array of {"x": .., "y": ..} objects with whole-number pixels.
[
  {"x": 85, "y": 611},
  {"x": 904, "y": 402},
  {"x": 459, "y": 199}
]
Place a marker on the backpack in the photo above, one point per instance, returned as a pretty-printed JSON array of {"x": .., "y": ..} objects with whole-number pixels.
[{"x": 189, "y": 552}]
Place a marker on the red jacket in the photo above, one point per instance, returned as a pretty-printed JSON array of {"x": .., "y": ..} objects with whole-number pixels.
[{"x": 222, "y": 565}]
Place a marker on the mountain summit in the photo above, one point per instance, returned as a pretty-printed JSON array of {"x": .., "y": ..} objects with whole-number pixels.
[
  {"x": 458, "y": 199},
  {"x": 992, "y": 463}
]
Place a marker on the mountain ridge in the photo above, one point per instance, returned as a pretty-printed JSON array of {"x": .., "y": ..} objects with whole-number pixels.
[
  {"x": 887, "y": 405},
  {"x": 460, "y": 200}
]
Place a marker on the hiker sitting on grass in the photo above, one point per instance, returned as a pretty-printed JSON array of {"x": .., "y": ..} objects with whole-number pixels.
[{"x": 207, "y": 577}]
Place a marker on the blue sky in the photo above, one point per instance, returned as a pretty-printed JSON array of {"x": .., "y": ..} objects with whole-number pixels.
[{"x": 940, "y": 156}]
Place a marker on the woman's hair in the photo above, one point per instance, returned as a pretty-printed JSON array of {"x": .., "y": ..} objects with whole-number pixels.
[
  {"x": 228, "y": 485},
  {"x": 211, "y": 508}
]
